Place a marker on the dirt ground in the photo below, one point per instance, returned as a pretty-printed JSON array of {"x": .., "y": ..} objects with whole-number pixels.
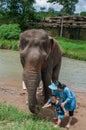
[{"x": 18, "y": 97}]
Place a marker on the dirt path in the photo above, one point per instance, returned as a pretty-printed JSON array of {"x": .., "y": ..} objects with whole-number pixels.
[{"x": 17, "y": 97}]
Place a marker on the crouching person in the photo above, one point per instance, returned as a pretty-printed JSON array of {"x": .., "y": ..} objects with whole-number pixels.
[{"x": 60, "y": 111}]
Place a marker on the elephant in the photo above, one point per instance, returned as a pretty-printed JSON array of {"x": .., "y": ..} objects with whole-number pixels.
[{"x": 40, "y": 56}]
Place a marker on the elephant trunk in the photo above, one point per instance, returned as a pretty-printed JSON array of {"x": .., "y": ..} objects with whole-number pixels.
[{"x": 32, "y": 80}]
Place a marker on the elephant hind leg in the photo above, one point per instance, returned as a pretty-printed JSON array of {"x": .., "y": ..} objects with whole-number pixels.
[
  {"x": 46, "y": 78},
  {"x": 56, "y": 71}
]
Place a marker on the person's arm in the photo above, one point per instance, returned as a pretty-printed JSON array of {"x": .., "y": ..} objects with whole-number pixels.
[
  {"x": 48, "y": 104},
  {"x": 63, "y": 104},
  {"x": 60, "y": 103},
  {"x": 65, "y": 112},
  {"x": 69, "y": 97}
]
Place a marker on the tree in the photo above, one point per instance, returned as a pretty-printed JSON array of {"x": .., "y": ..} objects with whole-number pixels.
[
  {"x": 82, "y": 13},
  {"x": 68, "y": 8},
  {"x": 51, "y": 11},
  {"x": 42, "y": 9},
  {"x": 68, "y": 5},
  {"x": 17, "y": 11}
]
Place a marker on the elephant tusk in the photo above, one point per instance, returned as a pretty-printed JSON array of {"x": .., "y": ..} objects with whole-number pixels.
[{"x": 23, "y": 85}]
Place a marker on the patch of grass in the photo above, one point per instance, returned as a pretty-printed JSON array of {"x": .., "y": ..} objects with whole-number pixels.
[
  {"x": 13, "y": 119},
  {"x": 11, "y": 113},
  {"x": 29, "y": 125},
  {"x": 73, "y": 48},
  {"x": 9, "y": 44}
]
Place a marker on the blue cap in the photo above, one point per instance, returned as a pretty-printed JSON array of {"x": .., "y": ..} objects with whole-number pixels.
[{"x": 53, "y": 86}]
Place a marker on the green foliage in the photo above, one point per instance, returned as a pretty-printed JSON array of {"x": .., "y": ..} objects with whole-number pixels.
[
  {"x": 41, "y": 15},
  {"x": 83, "y": 14},
  {"x": 68, "y": 5},
  {"x": 9, "y": 44},
  {"x": 17, "y": 11},
  {"x": 13, "y": 119},
  {"x": 11, "y": 113},
  {"x": 9, "y": 31}
]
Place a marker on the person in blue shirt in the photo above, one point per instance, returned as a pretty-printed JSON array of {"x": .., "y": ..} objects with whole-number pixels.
[
  {"x": 67, "y": 96},
  {"x": 60, "y": 111}
]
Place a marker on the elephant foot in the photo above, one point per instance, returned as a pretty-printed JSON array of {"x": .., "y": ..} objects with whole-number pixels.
[{"x": 34, "y": 109}]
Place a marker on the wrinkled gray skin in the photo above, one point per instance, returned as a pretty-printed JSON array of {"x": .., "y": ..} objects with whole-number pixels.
[{"x": 41, "y": 60}]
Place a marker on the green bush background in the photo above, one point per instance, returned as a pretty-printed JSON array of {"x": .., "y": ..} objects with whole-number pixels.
[{"x": 10, "y": 31}]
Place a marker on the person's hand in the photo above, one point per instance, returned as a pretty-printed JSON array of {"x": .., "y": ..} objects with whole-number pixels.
[
  {"x": 43, "y": 107},
  {"x": 65, "y": 113},
  {"x": 62, "y": 104}
]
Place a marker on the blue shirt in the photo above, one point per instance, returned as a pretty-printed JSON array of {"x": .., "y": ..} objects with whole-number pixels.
[
  {"x": 58, "y": 108},
  {"x": 66, "y": 95}
]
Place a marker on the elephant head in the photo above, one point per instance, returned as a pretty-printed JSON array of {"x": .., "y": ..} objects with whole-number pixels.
[{"x": 35, "y": 48}]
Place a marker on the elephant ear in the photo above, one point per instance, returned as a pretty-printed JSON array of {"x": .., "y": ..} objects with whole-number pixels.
[
  {"x": 51, "y": 42},
  {"x": 23, "y": 46}
]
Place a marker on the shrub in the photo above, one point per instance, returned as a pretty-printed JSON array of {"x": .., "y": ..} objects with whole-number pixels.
[
  {"x": 9, "y": 31},
  {"x": 83, "y": 14},
  {"x": 9, "y": 44}
]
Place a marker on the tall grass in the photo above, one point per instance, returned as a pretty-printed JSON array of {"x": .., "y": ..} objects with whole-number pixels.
[
  {"x": 13, "y": 119},
  {"x": 73, "y": 48},
  {"x": 9, "y": 44}
]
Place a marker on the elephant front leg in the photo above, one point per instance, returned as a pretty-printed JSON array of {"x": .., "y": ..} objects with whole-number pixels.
[{"x": 46, "y": 78}]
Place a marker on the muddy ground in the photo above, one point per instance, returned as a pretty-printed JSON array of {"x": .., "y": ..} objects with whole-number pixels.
[{"x": 18, "y": 97}]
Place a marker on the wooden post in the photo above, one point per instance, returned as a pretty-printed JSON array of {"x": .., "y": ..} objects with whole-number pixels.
[{"x": 61, "y": 31}]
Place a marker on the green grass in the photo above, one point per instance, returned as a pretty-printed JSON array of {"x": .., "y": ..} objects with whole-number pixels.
[
  {"x": 9, "y": 44},
  {"x": 13, "y": 119},
  {"x": 73, "y": 48}
]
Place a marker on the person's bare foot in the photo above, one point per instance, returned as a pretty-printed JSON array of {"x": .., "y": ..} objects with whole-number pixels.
[
  {"x": 66, "y": 114},
  {"x": 56, "y": 126},
  {"x": 67, "y": 126},
  {"x": 55, "y": 118}
]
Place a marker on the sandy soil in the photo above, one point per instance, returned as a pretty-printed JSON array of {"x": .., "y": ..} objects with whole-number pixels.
[{"x": 18, "y": 97}]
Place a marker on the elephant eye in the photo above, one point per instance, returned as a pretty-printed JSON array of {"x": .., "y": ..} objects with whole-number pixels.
[
  {"x": 42, "y": 45},
  {"x": 26, "y": 40},
  {"x": 36, "y": 44},
  {"x": 24, "y": 43},
  {"x": 45, "y": 46}
]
